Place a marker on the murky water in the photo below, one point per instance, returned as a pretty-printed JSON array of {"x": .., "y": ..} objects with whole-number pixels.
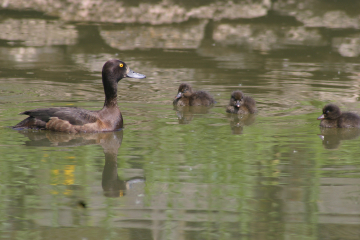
[{"x": 180, "y": 174}]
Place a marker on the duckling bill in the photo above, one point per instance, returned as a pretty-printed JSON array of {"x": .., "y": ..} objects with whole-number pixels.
[
  {"x": 187, "y": 97},
  {"x": 332, "y": 117},
  {"x": 241, "y": 104},
  {"x": 74, "y": 120}
]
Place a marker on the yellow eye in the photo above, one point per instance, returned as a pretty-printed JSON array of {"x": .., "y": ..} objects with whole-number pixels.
[{"x": 121, "y": 65}]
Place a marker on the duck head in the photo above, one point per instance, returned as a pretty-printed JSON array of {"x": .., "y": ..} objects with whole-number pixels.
[
  {"x": 236, "y": 99},
  {"x": 184, "y": 90},
  {"x": 116, "y": 70},
  {"x": 330, "y": 111},
  {"x": 113, "y": 71}
]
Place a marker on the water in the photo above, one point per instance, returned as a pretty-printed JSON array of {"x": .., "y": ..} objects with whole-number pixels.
[{"x": 180, "y": 174}]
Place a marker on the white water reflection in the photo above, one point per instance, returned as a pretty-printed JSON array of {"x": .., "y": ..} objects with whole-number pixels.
[
  {"x": 347, "y": 46},
  {"x": 164, "y": 37}
]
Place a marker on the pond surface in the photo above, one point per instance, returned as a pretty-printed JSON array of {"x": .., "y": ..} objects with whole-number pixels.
[{"x": 180, "y": 174}]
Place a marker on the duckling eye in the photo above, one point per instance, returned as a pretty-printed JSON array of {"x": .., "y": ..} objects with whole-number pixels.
[{"x": 121, "y": 65}]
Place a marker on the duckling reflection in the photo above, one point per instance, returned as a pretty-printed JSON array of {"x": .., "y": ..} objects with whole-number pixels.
[
  {"x": 238, "y": 121},
  {"x": 332, "y": 137},
  {"x": 109, "y": 141},
  {"x": 186, "y": 114}
]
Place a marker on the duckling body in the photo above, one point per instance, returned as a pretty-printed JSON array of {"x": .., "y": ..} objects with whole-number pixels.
[
  {"x": 186, "y": 97},
  {"x": 241, "y": 104},
  {"x": 74, "y": 120},
  {"x": 332, "y": 117}
]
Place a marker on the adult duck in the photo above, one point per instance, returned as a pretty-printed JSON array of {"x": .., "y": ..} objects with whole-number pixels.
[
  {"x": 74, "y": 120},
  {"x": 187, "y": 97},
  {"x": 332, "y": 117},
  {"x": 241, "y": 104}
]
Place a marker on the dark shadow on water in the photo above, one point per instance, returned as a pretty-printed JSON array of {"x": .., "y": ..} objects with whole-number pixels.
[
  {"x": 238, "y": 121},
  {"x": 109, "y": 141},
  {"x": 332, "y": 137}
]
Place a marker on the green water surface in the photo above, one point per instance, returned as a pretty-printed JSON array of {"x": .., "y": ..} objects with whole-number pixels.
[{"x": 179, "y": 175}]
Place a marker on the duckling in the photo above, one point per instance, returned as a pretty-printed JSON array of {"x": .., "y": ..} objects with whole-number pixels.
[
  {"x": 332, "y": 117},
  {"x": 241, "y": 104},
  {"x": 186, "y": 97},
  {"x": 74, "y": 120}
]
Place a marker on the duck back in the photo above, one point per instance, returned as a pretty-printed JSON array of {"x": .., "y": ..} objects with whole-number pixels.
[
  {"x": 72, "y": 119},
  {"x": 250, "y": 104},
  {"x": 74, "y": 115},
  {"x": 349, "y": 120},
  {"x": 201, "y": 98}
]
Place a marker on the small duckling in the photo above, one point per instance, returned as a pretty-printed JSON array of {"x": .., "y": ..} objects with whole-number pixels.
[
  {"x": 241, "y": 104},
  {"x": 186, "y": 97},
  {"x": 332, "y": 117}
]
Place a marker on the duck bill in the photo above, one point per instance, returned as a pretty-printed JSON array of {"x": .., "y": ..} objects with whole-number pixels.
[
  {"x": 321, "y": 117},
  {"x": 178, "y": 96},
  {"x": 132, "y": 74}
]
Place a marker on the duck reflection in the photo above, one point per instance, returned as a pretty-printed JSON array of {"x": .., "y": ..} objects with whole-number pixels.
[
  {"x": 238, "y": 121},
  {"x": 186, "y": 114},
  {"x": 332, "y": 137},
  {"x": 109, "y": 141}
]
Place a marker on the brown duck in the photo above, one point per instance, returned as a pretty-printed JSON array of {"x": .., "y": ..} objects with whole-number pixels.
[{"x": 74, "y": 120}]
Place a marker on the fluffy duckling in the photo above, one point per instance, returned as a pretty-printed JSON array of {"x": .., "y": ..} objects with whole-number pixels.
[
  {"x": 332, "y": 117},
  {"x": 241, "y": 104},
  {"x": 186, "y": 97}
]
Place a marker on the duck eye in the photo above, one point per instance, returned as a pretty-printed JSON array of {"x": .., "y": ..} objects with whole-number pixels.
[{"x": 121, "y": 65}]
